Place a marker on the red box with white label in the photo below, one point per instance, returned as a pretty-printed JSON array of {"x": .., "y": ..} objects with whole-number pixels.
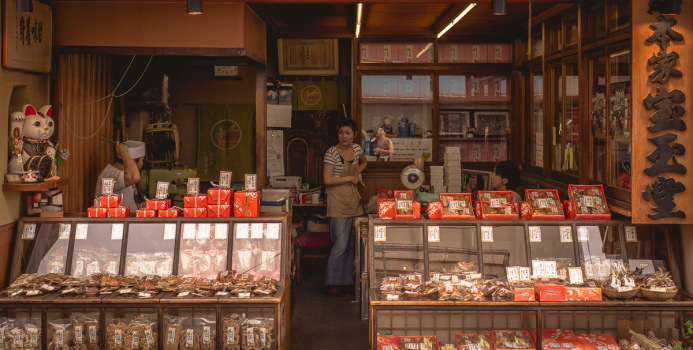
[
  {"x": 598, "y": 341},
  {"x": 588, "y": 202},
  {"x": 549, "y": 292},
  {"x": 544, "y": 205},
  {"x": 386, "y": 209},
  {"x": 195, "y": 212},
  {"x": 198, "y": 201},
  {"x": 246, "y": 204},
  {"x": 97, "y": 212},
  {"x": 434, "y": 210},
  {"x": 524, "y": 294},
  {"x": 158, "y": 204},
  {"x": 219, "y": 196},
  {"x": 457, "y": 205},
  {"x": 145, "y": 213},
  {"x": 112, "y": 201},
  {"x": 219, "y": 211},
  {"x": 583, "y": 293},
  {"x": 560, "y": 339},
  {"x": 169, "y": 213},
  {"x": 387, "y": 342},
  {"x": 120, "y": 212},
  {"x": 498, "y": 205}
]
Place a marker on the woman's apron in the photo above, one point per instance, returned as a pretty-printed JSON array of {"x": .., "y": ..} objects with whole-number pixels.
[{"x": 344, "y": 201}]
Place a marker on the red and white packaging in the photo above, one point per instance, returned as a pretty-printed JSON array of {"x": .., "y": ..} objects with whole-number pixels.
[
  {"x": 549, "y": 292},
  {"x": 583, "y": 293},
  {"x": 112, "y": 201},
  {"x": 173, "y": 212},
  {"x": 246, "y": 204},
  {"x": 434, "y": 210},
  {"x": 195, "y": 201},
  {"x": 97, "y": 212},
  {"x": 195, "y": 212},
  {"x": 158, "y": 204},
  {"x": 219, "y": 196},
  {"x": 560, "y": 339},
  {"x": 219, "y": 211},
  {"x": 524, "y": 294},
  {"x": 598, "y": 341},
  {"x": 544, "y": 204},
  {"x": 498, "y": 205},
  {"x": 387, "y": 342},
  {"x": 145, "y": 213},
  {"x": 386, "y": 209},
  {"x": 457, "y": 205},
  {"x": 119, "y": 212},
  {"x": 589, "y": 202}
]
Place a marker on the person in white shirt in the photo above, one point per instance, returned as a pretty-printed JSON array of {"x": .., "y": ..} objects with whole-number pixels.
[{"x": 125, "y": 171}]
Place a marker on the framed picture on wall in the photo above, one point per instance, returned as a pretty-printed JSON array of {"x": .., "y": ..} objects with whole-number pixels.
[
  {"x": 497, "y": 122},
  {"x": 453, "y": 122},
  {"x": 308, "y": 56},
  {"x": 27, "y": 37}
]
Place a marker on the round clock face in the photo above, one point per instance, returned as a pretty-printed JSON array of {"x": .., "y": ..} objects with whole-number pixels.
[{"x": 412, "y": 177}]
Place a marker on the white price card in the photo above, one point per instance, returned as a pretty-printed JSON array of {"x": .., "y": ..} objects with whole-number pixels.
[
  {"x": 453, "y": 53},
  {"x": 225, "y": 179},
  {"x": 203, "y": 231},
  {"x": 409, "y": 53},
  {"x": 169, "y": 231},
  {"x": 64, "y": 232},
  {"x": 454, "y": 205},
  {"x": 525, "y": 274},
  {"x": 566, "y": 234},
  {"x": 588, "y": 201},
  {"x": 161, "y": 189},
  {"x": 250, "y": 182},
  {"x": 433, "y": 234},
  {"x": 401, "y": 204},
  {"x": 538, "y": 268},
  {"x": 542, "y": 203},
  {"x": 513, "y": 273},
  {"x": 117, "y": 232},
  {"x": 631, "y": 234},
  {"x": 272, "y": 231},
  {"x": 188, "y": 231},
  {"x": 575, "y": 275},
  {"x": 193, "y": 186},
  {"x": 535, "y": 234},
  {"x": 221, "y": 231},
  {"x": 242, "y": 231},
  {"x": 583, "y": 234},
  {"x": 82, "y": 231},
  {"x": 487, "y": 233},
  {"x": 550, "y": 270},
  {"x": 380, "y": 234},
  {"x": 256, "y": 231},
  {"x": 107, "y": 187},
  {"x": 495, "y": 202},
  {"x": 29, "y": 231},
  {"x": 387, "y": 53}
]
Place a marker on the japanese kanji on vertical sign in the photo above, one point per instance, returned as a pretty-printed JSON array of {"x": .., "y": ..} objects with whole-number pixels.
[{"x": 661, "y": 73}]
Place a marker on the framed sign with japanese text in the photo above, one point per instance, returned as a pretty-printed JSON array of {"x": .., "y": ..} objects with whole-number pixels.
[
  {"x": 308, "y": 56},
  {"x": 27, "y": 37}
]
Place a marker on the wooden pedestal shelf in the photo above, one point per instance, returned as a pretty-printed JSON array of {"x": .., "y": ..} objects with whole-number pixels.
[{"x": 33, "y": 186}]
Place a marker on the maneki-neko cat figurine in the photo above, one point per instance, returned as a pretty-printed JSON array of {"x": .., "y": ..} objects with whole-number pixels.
[{"x": 30, "y": 147}]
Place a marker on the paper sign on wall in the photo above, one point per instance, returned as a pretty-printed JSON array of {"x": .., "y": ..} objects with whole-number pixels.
[
  {"x": 221, "y": 231},
  {"x": 534, "y": 234},
  {"x": 189, "y": 231},
  {"x": 380, "y": 234},
  {"x": 81, "y": 231},
  {"x": 433, "y": 234},
  {"x": 193, "y": 186},
  {"x": 29, "y": 231},
  {"x": 631, "y": 234},
  {"x": 64, "y": 232},
  {"x": 242, "y": 231},
  {"x": 487, "y": 233},
  {"x": 566, "y": 234},
  {"x": 583, "y": 234}
]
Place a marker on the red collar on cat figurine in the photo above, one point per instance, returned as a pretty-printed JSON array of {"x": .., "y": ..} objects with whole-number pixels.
[{"x": 34, "y": 141}]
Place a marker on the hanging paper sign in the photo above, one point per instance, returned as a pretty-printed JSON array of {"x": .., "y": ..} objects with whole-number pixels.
[
  {"x": 117, "y": 232},
  {"x": 29, "y": 231},
  {"x": 434, "y": 234},
  {"x": 225, "y": 179},
  {"x": 539, "y": 268},
  {"x": 550, "y": 270},
  {"x": 203, "y": 231},
  {"x": 409, "y": 53},
  {"x": 495, "y": 203},
  {"x": 566, "y": 233},
  {"x": 81, "y": 231},
  {"x": 64, "y": 232},
  {"x": 251, "y": 182},
  {"x": 575, "y": 274},
  {"x": 380, "y": 234},
  {"x": 169, "y": 231},
  {"x": 524, "y": 274},
  {"x": 513, "y": 273},
  {"x": 221, "y": 231},
  {"x": 107, "y": 187},
  {"x": 193, "y": 186},
  {"x": 272, "y": 231},
  {"x": 256, "y": 231},
  {"x": 487, "y": 233},
  {"x": 161, "y": 189},
  {"x": 631, "y": 234},
  {"x": 387, "y": 53},
  {"x": 242, "y": 231},
  {"x": 534, "y": 234},
  {"x": 583, "y": 234},
  {"x": 188, "y": 231}
]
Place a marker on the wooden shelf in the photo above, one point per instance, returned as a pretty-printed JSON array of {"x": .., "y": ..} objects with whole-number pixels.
[{"x": 33, "y": 186}]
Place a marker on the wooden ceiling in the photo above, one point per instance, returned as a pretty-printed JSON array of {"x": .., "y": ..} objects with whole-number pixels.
[{"x": 397, "y": 19}]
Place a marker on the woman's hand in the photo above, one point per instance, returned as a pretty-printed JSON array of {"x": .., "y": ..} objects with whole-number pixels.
[{"x": 354, "y": 179}]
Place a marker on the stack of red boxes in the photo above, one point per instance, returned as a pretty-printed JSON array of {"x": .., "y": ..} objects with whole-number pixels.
[
  {"x": 219, "y": 202},
  {"x": 153, "y": 207},
  {"x": 195, "y": 206},
  {"x": 246, "y": 204},
  {"x": 101, "y": 210},
  {"x": 164, "y": 208}
]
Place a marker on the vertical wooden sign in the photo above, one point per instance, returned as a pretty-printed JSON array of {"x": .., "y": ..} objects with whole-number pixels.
[{"x": 662, "y": 157}]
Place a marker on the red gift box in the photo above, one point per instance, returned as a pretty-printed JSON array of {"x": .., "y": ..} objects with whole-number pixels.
[
  {"x": 550, "y": 292},
  {"x": 112, "y": 201},
  {"x": 434, "y": 210},
  {"x": 386, "y": 209},
  {"x": 120, "y": 212},
  {"x": 525, "y": 210},
  {"x": 498, "y": 205},
  {"x": 387, "y": 342},
  {"x": 405, "y": 206},
  {"x": 198, "y": 201},
  {"x": 219, "y": 196},
  {"x": 457, "y": 205},
  {"x": 524, "y": 294},
  {"x": 588, "y": 202},
  {"x": 405, "y": 342},
  {"x": 246, "y": 204},
  {"x": 169, "y": 213},
  {"x": 386, "y": 194},
  {"x": 597, "y": 341},
  {"x": 145, "y": 213},
  {"x": 482, "y": 341},
  {"x": 97, "y": 212},
  {"x": 219, "y": 211},
  {"x": 195, "y": 212},
  {"x": 158, "y": 204},
  {"x": 544, "y": 205},
  {"x": 583, "y": 294},
  {"x": 512, "y": 340},
  {"x": 560, "y": 339}
]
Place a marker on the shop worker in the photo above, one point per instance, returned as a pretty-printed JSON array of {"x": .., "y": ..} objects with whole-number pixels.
[
  {"x": 343, "y": 164},
  {"x": 506, "y": 177},
  {"x": 125, "y": 171}
]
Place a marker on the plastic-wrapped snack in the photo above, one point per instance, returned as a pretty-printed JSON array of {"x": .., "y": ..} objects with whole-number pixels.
[
  {"x": 141, "y": 333},
  {"x": 85, "y": 330},
  {"x": 60, "y": 334},
  {"x": 426, "y": 342},
  {"x": 429, "y": 290},
  {"x": 115, "y": 334},
  {"x": 173, "y": 332},
  {"x": 471, "y": 291},
  {"x": 32, "y": 331},
  {"x": 474, "y": 341},
  {"x": 497, "y": 290},
  {"x": 205, "y": 332},
  {"x": 449, "y": 291},
  {"x": 231, "y": 339},
  {"x": 512, "y": 340},
  {"x": 258, "y": 334},
  {"x": 226, "y": 276}
]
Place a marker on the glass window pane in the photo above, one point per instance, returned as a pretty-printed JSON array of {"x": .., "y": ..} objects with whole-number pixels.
[
  {"x": 203, "y": 250},
  {"x": 259, "y": 251},
  {"x": 620, "y": 118},
  {"x": 597, "y": 22},
  {"x": 601, "y": 245},
  {"x": 507, "y": 249},
  {"x": 571, "y": 31},
  {"x": 97, "y": 249},
  {"x": 571, "y": 126},
  {"x": 551, "y": 247},
  {"x": 414, "y": 52},
  {"x": 538, "y": 118},
  {"x": 537, "y": 45},
  {"x": 457, "y": 244},
  {"x": 557, "y": 129},
  {"x": 402, "y": 106},
  {"x": 400, "y": 253},
  {"x": 150, "y": 249},
  {"x": 598, "y": 119},
  {"x": 619, "y": 14},
  {"x": 474, "y": 53},
  {"x": 48, "y": 249}
]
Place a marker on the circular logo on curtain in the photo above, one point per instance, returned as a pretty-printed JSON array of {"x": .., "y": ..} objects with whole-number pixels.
[
  {"x": 311, "y": 95},
  {"x": 226, "y": 134}
]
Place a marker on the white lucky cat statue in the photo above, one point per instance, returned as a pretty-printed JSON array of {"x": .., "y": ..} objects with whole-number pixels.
[{"x": 30, "y": 144}]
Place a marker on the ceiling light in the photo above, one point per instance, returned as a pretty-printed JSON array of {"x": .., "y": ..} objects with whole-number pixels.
[
  {"x": 498, "y": 7},
  {"x": 25, "y": 6},
  {"x": 194, "y": 7},
  {"x": 359, "y": 12},
  {"x": 457, "y": 19}
]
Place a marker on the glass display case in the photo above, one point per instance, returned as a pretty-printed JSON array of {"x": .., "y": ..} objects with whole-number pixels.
[
  {"x": 46, "y": 246},
  {"x": 257, "y": 249},
  {"x": 97, "y": 248},
  {"x": 203, "y": 249},
  {"x": 150, "y": 249}
]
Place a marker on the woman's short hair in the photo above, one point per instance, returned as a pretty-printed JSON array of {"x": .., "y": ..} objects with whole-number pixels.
[
  {"x": 509, "y": 170},
  {"x": 347, "y": 122}
]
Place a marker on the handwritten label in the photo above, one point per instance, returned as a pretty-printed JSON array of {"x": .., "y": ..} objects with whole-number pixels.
[
  {"x": 583, "y": 234},
  {"x": 161, "y": 189},
  {"x": 566, "y": 233},
  {"x": 242, "y": 231},
  {"x": 29, "y": 231},
  {"x": 117, "y": 232},
  {"x": 272, "y": 231},
  {"x": 550, "y": 269},
  {"x": 193, "y": 186},
  {"x": 631, "y": 234},
  {"x": 225, "y": 179},
  {"x": 189, "y": 231},
  {"x": 575, "y": 275},
  {"x": 487, "y": 233},
  {"x": 539, "y": 268},
  {"x": 203, "y": 231},
  {"x": 64, "y": 232},
  {"x": 107, "y": 187},
  {"x": 534, "y": 234},
  {"x": 81, "y": 231},
  {"x": 513, "y": 273},
  {"x": 221, "y": 231},
  {"x": 433, "y": 234},
  {"x": 250, "y": 182},
  {"x": 169, "y": 231},
  {"x": 524, "y": 274},
  {"x": 380, "y": 234},
  {"x": 256, "y": 231}
]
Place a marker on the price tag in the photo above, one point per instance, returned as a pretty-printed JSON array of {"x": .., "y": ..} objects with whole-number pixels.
[
  {"x": 244, "y": 295},
  {"x": 242, "y": 231},
  {"x": 112, "y": 268},
  {"x": 29, "y": 231},
  {"x": 487, "y": 233},
  {"x": 183, "y": 294},
  {"x": 161, "y": 189},
  {"x": 476, "y": 53},
  {"x": 643, "y": 266},
  {"x": 222, "y": 293},
  {"x": 453, "y": 53},
  {"x": 629, "y": 282},
  {"x": 256, "y": 231},
  {"x": 188, "y": 231},
  {"x": 203, "y": 231},
  {"x": 513, "y": 273},
  {"x": 117, "y": 232},
  {"x": 81, "y": 231},
  {"x": 433, "y": 234},
  {"x": 542, "y": 203},
  {"x": 193, "y": 186},
  {"x": 64, "y": 232},
  {"x": 495, "y": 202},
  {"x": 189, "y": 337},
  {"x": 250, "y": 182},
  {"x": 135, "y": 339},
  {"x": 225, "y": 179},
  {"x": 401, "y": 204},
  {"x": 221, "y": 231},
  {"x": 118, "y": 338},
  {"x": 107, "y": 187},
  {"x": 524, "y": 274},
  {"x": 566, "y": 234},
  {"x": 92, "y": 268},
  {"x": 380, "y": 234},
  {"x": 624, "y": 289},
  {"x": 550, "y": 269},
  {"x": 631, "y": 234},
  {"x": 387, "y": 53},
  {"x": 272, "y": 231},
  {"x": 539, "y": 268},
  {"x": 658, "y": 289},
  {"x": 206, "y": 334},
  {"x": 583, "y": 234},
  {"x": 409, "y": 53},
  {"x": 588, "y": 201},
  {"x": 575, "y": 275},
  {"x": 534, "y": 234},
  {"x": 455, "y": 205},
  {"x": 79, "y": 330},
  {"x": 169, "y": 231}
]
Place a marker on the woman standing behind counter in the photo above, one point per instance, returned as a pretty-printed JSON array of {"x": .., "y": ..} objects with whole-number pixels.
[{"x": 344, "y": 162}]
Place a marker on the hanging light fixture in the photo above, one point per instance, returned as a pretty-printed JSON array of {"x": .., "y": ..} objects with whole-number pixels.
[
  {"x": 498, "y": 7},
  {"x": 457, "y": 19},
  {"x": 24, "y": 6},
  {"x": 194, "y": 7},
  {"x": 359, "y": 15}
]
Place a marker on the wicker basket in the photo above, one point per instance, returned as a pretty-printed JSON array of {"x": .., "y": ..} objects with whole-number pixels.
[
  {"x": 612, "y": 292},
  {"x": 658, "y": 296}
]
